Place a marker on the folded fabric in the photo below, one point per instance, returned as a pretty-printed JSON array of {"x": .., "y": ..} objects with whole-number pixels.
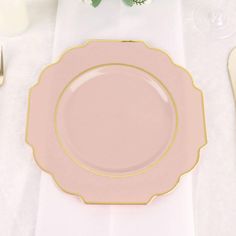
[{"x": 160, "y": 25}]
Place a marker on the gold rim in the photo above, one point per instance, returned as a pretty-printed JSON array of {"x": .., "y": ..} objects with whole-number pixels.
[
  {"x": 116, "y": 203},
  {"x": 109, "y": 174}
]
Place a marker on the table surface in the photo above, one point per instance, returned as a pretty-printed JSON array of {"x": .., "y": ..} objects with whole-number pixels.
[{"x": 214, "y": 179}]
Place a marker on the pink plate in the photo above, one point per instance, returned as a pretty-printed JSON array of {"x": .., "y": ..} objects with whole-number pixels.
[{"x": 116, "y": 122}]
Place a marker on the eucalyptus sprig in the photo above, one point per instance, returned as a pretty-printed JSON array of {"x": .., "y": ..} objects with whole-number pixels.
[
  {"x": 95, "y": 3},
  {"x": 136, "y": 2},
  {"x": 130, "y": 3}
]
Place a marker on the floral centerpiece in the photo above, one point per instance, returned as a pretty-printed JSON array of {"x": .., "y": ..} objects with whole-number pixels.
[{"x": 95, "y": 3}]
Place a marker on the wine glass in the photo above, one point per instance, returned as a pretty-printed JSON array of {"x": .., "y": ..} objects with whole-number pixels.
[{"x": 216, "y": 18}]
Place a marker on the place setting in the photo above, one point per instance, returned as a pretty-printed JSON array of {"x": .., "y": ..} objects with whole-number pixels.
[
  {"x": 116, "y": 122},
  {"x": 130, "y": 111}
]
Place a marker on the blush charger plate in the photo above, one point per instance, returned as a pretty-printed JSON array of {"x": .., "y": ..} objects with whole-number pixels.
[{"x": 116, "y": 122}]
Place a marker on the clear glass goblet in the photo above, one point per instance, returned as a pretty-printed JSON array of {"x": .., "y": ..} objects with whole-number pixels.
[{"x": 216, "y": 18}]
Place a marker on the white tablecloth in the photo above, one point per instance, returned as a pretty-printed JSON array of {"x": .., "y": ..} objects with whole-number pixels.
[
  {"x": 215, "y": 177},
  {"x": 25, "y": 55}
]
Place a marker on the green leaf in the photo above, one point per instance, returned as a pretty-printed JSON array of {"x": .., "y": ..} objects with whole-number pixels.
[
  {"x": 95, "y": 3},
  {"x": 129, "y": 2}
]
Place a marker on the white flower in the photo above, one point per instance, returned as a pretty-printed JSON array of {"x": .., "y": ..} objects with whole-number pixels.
[
  {"x": 148, "y": 1},
  {"x": 87, "y": 1}
]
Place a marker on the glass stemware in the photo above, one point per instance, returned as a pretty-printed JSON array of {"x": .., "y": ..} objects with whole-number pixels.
[{"x": 216, "y": 18}]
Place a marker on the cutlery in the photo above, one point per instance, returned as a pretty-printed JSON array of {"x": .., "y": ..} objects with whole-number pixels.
[
  {"x": 232, "y": 70},
  {"x": 1, "y": 68}
]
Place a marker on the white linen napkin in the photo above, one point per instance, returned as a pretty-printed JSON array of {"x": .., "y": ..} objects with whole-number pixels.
[{"x": 160, "y": 25}]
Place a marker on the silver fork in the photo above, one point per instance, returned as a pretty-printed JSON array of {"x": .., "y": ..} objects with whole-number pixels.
[{"x": 1, "y": 68}]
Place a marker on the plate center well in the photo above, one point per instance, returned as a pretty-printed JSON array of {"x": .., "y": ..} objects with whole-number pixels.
[{"x": 116, "y": 119}]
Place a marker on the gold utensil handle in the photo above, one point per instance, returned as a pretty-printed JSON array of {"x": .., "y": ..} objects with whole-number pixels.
[
  {"x": 1, "y": 68},
  {"x": 232, "y": 71}
]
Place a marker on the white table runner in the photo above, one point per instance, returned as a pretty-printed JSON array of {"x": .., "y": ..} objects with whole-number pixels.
[{"x": 160, "y": 25}]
